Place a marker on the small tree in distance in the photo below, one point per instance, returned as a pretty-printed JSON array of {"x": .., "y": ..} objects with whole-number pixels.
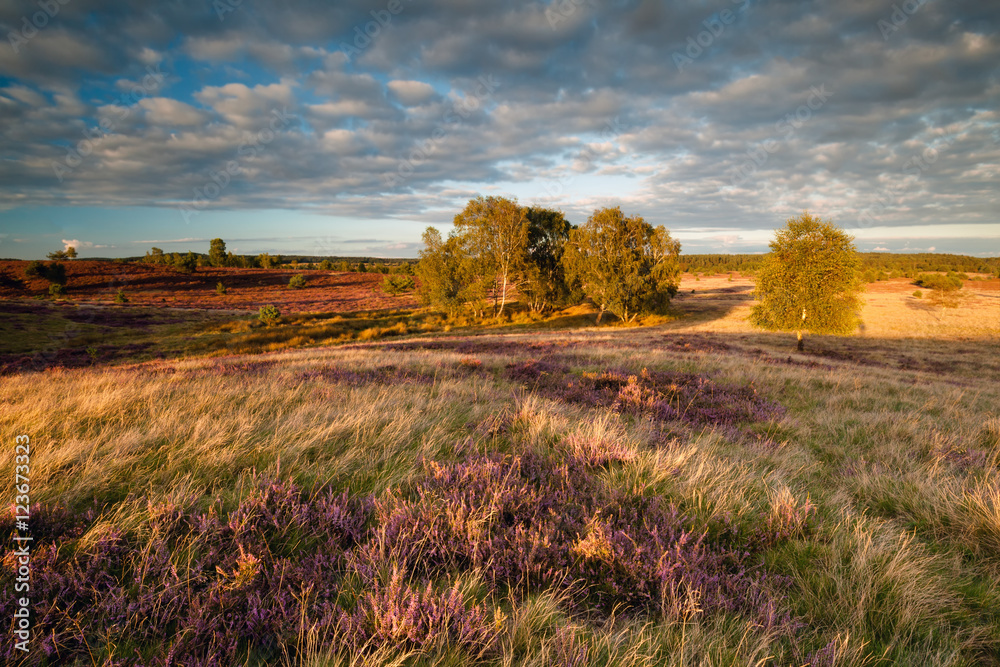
[
  {"x": 217, "y": 252},
  {"x": 810, "y": 281}
]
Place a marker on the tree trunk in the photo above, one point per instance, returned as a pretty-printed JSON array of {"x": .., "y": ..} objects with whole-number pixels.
[
  {"x": 503, "y": 296},
  {"x": 802, "y": 343},
  {"x": 600, "y": 314}
]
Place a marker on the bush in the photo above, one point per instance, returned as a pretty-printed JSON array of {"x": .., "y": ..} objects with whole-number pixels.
[
  {"x": 298, "y": 281},
  {"x": 55, "y": 289},
  {"x": 269, "y": 315},
  {"x": 397, "y": 284},
  {"x": 55, "y": 273},
  {"x": 120, "y": 297},
  {"x": 220, "y": 289},
  {"x": 326, "y": 265},
  {"x": 918, "y": 294},
  {"x": 35, "y": 269},
  {"x": 936, "y": 281}
]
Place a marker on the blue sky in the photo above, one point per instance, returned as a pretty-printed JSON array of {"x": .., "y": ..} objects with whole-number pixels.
[{"x": 346, "y": 128}]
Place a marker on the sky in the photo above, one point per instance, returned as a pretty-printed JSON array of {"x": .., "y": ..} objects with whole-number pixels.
[{"x": 348, "y": 127}]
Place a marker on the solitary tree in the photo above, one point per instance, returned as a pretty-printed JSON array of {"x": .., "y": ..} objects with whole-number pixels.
[
  {"x": 71, "y": 252},
  {"x": 217, "y": 252},
  {"x": 496, "y": 230},
  {"x": 810, "y": 281},
  {"x": 626, "y": 265}
]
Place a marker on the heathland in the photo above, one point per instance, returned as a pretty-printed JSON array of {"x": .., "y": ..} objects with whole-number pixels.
[{"x": 396, "y": 487}]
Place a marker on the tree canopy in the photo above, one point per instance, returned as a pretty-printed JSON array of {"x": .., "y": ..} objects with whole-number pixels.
[
  {"x": 217, "y": 252},
  {"x": 810, "y": 281},
  {"x": 623, "y": 263},
  {"x": 496, "y": 232}
]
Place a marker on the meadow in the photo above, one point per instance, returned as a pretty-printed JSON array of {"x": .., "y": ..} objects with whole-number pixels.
[{"x": 686, "y": 492}]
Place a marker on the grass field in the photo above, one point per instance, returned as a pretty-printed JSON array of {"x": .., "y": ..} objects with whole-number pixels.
[{"x": 690, "y": 492}]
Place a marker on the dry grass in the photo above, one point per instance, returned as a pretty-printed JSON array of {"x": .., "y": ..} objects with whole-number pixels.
[{"x": 883, "y": 473}]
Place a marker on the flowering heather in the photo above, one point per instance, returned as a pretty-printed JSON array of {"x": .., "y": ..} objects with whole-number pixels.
[
  {"x": 209, "y": 587},
  {"x": 693, "y": 399},
  {"x": 529, "y": 523}
]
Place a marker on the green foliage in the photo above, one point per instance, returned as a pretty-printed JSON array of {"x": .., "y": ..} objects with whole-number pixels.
[
  {"x": 543, "y": 277},
  {"x": 266, "y": 261},
  {"x": 55, "y": 273},
  {"x": 626, "y": 265},
  {"x": 344, "y": 266},
  {"x": 187, "y": 263},
  {"x": 59, "y": 254},
  {"x": 120, "y": 296},
  {"x": 918, "y": 294},
  {"x": 155, "y": 256},
  {"x": 362, "y": 267},
  {"x": 494, "y": 230},
  {"x": 438, "y": 270},
  {"x": 71, "y": 252},
  {"x": 217, "y": 252},
  {"x": 326, "y": 265},
  {"x": 35, "y": 269},
  {"x": 397, "y": 284},
  {"x": 220, "y": 289},
  {"x": 268, "y": 315},
  {"x": 405, "y": 269},
  {"x": 810, "y": 281},
  {"x": 944, "y": 283},
  {"x": 298, "y": 281},
  {"x": 55, "y": 289}
]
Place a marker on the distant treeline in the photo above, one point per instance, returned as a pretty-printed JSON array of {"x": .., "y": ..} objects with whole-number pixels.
[
  {"x": 218, "y": 256},
  {"x": 876, "y": 265}
]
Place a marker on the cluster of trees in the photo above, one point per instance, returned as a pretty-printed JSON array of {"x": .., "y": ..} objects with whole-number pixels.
[
  {"x": 498, "y": 248},
  {"x": 68, "y": 253}
]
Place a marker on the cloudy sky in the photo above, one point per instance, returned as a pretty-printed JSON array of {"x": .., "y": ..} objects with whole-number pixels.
[{"x": 347, "y": 127}]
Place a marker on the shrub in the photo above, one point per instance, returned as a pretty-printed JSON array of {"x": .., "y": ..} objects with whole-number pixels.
[
  {"x": 55, "y": 273},
  {"x": 268, "y": 314},
  {"x": 298, "y": 281},
  {"x": 55, "y": 289},
  {"x": 397, "y": 284},
  {"x": 918, "y": 294},
  {"x": 120, "y": 297},
  {"x": 220, "y": 289},
  {"x": 34, "y": 269},
  {"x": 936, "y": 281},
  {"x": 326, "y": 265}
]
